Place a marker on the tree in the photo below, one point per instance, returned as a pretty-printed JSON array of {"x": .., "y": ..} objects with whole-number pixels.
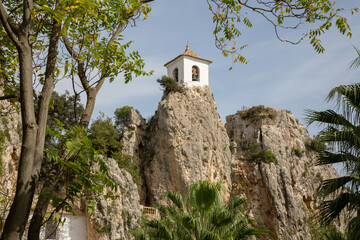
[
  {"x": 203, "y": 215},
  {"x": 282, "y": 15},
  {"x": 122, "y": 117},
  {"x": 41, "y": 38},
  {"x": 342, "y": 133},
  {"x": 32, "y": 30},
  {"x": 105, "y": 136}
]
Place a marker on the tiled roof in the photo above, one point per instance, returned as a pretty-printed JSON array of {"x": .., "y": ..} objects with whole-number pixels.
[{"x": 188, "y": 53}]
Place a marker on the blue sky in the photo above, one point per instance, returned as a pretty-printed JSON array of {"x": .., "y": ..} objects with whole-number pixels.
[{"x": 278, "y": 75}]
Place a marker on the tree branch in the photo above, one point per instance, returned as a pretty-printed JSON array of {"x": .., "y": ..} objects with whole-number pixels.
[
  {"x": 10, "y": 26},
  {"x": 8, "y": 97}
]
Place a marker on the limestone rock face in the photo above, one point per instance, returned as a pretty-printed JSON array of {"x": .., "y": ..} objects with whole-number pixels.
[
  {"x": 113, "y": 218},
  {"x": 134, "y": 132},
  {"x": 281, "y": 192},
  {"x": 186, "y": 142},
  {"x": 10, "y": 143}
]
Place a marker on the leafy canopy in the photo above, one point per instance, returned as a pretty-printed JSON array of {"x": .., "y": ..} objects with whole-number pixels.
[{"x": 229, "y": 15}]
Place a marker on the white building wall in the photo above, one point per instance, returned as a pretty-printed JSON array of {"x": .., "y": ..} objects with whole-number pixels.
[
  {"x": 74, "y": 228},
  {"x": 176, "y": 64},
  {"x": 203, "y": 71},
  {"x": 184, "y": 65}
]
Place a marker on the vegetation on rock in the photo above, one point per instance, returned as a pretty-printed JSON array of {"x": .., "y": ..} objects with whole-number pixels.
[
  {"x": 169, "y": 84},
  {"x": 257, "y": 113}
]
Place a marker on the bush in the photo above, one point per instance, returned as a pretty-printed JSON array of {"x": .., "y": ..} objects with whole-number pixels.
[
  {"x": 257, "y": 113},
  {"x": 169, "y": 84},
  {"x": 315, "y": 144},
  {"x": 297, "y": 151},
  {"x": 269, "y": 156}
]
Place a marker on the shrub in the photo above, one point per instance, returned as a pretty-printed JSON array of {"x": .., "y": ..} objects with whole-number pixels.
[
  {"x": 315, "y": 144},
  {"x": 269, "y": 156},
  {"x": 169, "y": 84},
  {"x": 257, "y": 112},
  {"x": 297, "y": 151}
]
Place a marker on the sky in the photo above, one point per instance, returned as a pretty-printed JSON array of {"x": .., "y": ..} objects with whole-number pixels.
[{"x": 278, "y": 75}]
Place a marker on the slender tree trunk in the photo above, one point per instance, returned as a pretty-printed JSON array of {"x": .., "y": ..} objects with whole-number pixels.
[
  {"x": 89, "y": 107},
  {"x": 43, "y": 202},
  {"x": 25, "y": 187},
  {"x": 38, "y": 217}
]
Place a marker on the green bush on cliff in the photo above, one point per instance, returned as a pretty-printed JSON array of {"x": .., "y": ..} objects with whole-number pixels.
[{"x": 169, "y": 84}]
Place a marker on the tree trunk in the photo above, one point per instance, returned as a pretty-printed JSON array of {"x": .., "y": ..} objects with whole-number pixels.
[
  {"x": 89, "y": 107},
  {"x": 43, "y": 202},
  {"x": 38, "y": 217},
  {"x": 25, "y": 187}
]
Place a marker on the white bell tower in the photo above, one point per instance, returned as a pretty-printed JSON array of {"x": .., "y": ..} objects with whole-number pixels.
[{"x": 190, "y": 69}]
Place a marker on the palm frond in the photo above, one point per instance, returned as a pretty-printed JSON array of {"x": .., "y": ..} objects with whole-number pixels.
[
  {"x": 204, "y": 195},
  {"x": 356, "y": 62},
  {"x": 347, "y": 98},
  {"x": 176, "y": 199},
  {"x": 331, "y": 209},
  {"x": 345, "y": 140},
  {"x": 326, "y": 157},
  {"x": 331, "y": 185},
  {"x": 326, "y": 117},
  {"x": 237, "y": 203},
  {"x": 353, "y": 228}
]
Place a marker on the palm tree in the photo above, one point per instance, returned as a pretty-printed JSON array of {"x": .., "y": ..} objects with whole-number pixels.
[
  {"x": 342, "y": 133},
  {"x": 203, "y": 215}
]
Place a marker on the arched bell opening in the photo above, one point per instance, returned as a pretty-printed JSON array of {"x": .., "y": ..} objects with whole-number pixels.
[
  {"x": 176, "y": 74},
  {"x": 195, "y": 73}
]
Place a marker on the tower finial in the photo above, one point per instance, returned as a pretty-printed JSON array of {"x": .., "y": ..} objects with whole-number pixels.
[{"x": 187, "y": 46}]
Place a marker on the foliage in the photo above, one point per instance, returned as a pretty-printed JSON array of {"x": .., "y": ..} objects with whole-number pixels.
[
  {"x": 341, "y": 132},
  {"x": 269, "y": 156},
  {"x": 169, "y": 84},
  {"x": 64, "y": 108},
  {"x": 81, "y": 169},
  {"x": 91, "y": 50},
  {"x": 257, "y": 113},
  {"x": 297, "y": 151},
  {"x": 254, "y": 152},
  {"x": 104, "y": 136},
  {"x": 228, "y": 16},
  {"x": 315, "y": 144},
  {"x": 122, "y": 117},
  {"x": 126, "y": 162},
  {"x": 203, "y": 215}
]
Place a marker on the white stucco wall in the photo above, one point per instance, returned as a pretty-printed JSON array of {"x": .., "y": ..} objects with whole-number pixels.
[
  {"x": 74, "y": 228},
  {"x": 184, "y": 65},
  {"x": 176, "y": 64},
  {"x": 203, "y": 71}
]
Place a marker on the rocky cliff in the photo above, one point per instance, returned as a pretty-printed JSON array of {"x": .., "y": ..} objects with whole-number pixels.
[
  {"x": 10, "y": 132},
  {"x": 261, "y": 153},
  {"x": 186, "y": 141},
  {"x": 113, "y": 218},
  {"x": 273, "y": 166}
]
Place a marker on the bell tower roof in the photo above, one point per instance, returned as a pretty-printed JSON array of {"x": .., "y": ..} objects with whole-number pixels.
[{"x": 188, "y": 53}]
